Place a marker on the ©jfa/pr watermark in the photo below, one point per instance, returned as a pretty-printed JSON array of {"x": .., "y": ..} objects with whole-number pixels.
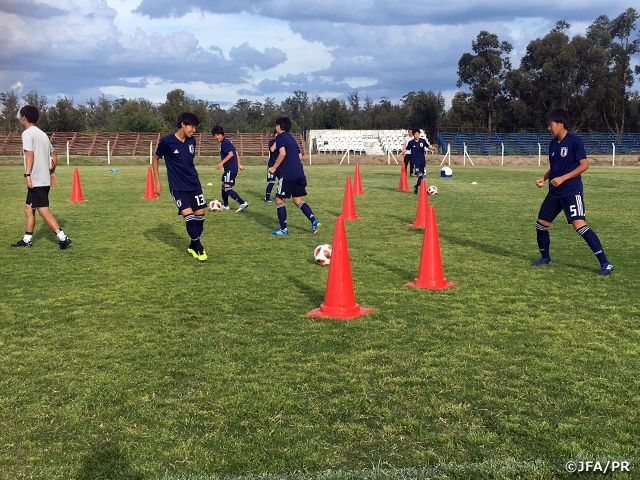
[{"x": 609, "y": 466}]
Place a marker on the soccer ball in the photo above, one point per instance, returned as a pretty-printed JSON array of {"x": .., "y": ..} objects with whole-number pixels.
[
  {"x": 215, "y": 205},
  {"x": 322, "y": 254},
  {"x": 432, "y": 190},
  {"x": 52, "y": 163}
]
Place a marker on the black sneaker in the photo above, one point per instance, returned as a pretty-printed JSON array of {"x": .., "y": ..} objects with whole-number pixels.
[
  {"x": 64, "y": 244},
  {"x": 21, "y": 243}
]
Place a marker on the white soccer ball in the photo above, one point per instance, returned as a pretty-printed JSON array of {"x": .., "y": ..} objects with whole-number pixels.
[
  {"x": 432, "y": 190},
  {"x": 52, "y": 163},
  {"x": 215, "y": 205},
  {"x": 322, "y": 254}
]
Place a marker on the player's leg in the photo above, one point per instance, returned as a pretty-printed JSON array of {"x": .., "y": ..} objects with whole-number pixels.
[
  {"x": 229, "y": 182},
  {"x": 185, "y": 201},
  {"x": 40, "y": 202},
  {"x": 574, "y": 210},
  {"x": 271, "y": 180},
  {"x": 420, "y": 172},
  {"x": 549, "y": 210},
  {"x": 29, "y": 225},
  {"x": 283, "y": 192},
  {"x": 299, "y": 191},
  {"x": 406, "y": 160}
]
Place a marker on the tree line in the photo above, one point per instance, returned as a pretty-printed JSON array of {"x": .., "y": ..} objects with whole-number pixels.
[{"x": 591, "y": 76}]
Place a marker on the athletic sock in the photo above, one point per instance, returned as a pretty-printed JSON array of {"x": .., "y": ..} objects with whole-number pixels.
[
  {"x": 282, "y": 215},
  {"x": 306, "y": 209},
  {"x": 267, "y": 195},
  {"x": 594, "y": 243},
  {"x": 544, "y": 241},
  {"x": 233, "y": 194},
  {"x": 199, "y": 219},
  {"x": 27, "y": 237},
  {"x": 192, "y": 230},
  {"x": 225, "y": 197},
  {"x": 61, "y": 236}
]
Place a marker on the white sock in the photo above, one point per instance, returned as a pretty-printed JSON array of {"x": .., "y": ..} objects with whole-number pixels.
[
  {"x": 27, "y": 237},
  {"x": 61, "y": 235}
]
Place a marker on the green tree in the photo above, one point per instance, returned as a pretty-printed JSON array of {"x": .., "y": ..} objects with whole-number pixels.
[
  {"x": 10, "y": 108},
  {"x": 135, "y": 116},
  {"x": 176, "y": 103},
  {"x": 298, "y": 108},
  {"x": 329, "y": 114},
  {"x": 64, "y": 117},
  {"x": 485, "y": 71},
  {"x": 423, "y": 110}
]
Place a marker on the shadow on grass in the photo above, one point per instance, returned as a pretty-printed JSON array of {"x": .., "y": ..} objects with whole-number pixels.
[
  {"x": 166, "y": 234},
  {"x": 489, "y": 248},
  {"x": 106, "y": 462},
  {"x": 315, "y": 296},
  {"x": 266, "y": 220},
  {"x": 405, "y": 275}
]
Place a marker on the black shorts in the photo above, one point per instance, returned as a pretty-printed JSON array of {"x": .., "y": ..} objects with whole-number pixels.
[
  {"x": 573, "y": 207},
  {"x": 291, "y": 187},
  {"x": 229, "y": 178},
  {"x": 38, "y": 197},
  {"x": 193, "y": 199},
  {"x": 407, "y": 159},
  {"x": 271, "y": 177},
  {"x": 419, "y": 169}
]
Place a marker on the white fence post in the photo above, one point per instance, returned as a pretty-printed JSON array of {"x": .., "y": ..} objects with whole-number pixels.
[
  {"x": 502, "y": 162},
  {"x": 539, "y": 153},
  {"x": 613, "y": 161},
  {"x": 150, "y": 153},
  {"x": 109, "y": 152},
  {"x": 67, "y": 153}
]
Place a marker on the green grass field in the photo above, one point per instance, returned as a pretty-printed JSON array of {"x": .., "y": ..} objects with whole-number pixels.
[{"x": 125, "y": 358}]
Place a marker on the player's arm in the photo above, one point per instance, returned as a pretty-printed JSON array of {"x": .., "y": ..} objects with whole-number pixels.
[
  {"x": 541, "y": 180},
  {"x": 240, "y": 167},
  {"x": 228, "y": 157},
  {"x": 28, "y": 154},
  {"x": 156, "y": 175},
  {"x": 404, "y": 150},
  {"x": 583, "y": 165},
  {"x": 281, "y": 154}
]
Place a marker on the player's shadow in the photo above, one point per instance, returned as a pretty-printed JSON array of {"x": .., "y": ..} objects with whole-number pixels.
[
  {"x": 165, "y": 233},
  {"x": 106, "y": 461},
  {"x": 489, "y": 248},
  {"x": 267, "y": 221},
  {"x": 315, "y": 296}
]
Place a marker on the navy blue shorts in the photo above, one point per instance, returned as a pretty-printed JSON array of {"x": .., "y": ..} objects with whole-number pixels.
[
  {"x": 229, "y": 178},
  {"x": 38, "y": 197},
  {"x": 193, "y": 199},
  {"x": 271, "y": 177},
  {"x": 419, "y": 169},
  {"x": 291, "y": 187},
  {"x": 573, "y": 207}
]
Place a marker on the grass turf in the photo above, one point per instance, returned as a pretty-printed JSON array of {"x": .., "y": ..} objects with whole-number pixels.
[{"x": 124, "y": 357}]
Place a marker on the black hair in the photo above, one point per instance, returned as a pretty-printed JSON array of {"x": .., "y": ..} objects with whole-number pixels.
[
  {"x": 217, "y": 130},
  {"x": 413, "y": 131},
  {"x": 31, "y": 113},
  {"x": 285, "y": 123},
  {"x": 187, "y": 118},
  {"x": 558, "y": 115}
]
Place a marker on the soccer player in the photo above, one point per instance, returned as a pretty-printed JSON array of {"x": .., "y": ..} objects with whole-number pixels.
[
  {"x": 418, "y": 147},
  {"x": 39, "y": 174},
  {"x": 407, "y": 156},
  {"x": 178, "y": 150},
  {"x": 271, "y": 177},
  {"x": 231, "y": 163},
  {"x": 292, "y": 181},
  {"x": 567, "y": 160}
]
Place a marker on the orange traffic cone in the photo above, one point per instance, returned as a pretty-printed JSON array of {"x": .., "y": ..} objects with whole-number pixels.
[
  {"x": 150, "y": 190},
  {"x": 348, "y": 204},
  {"x": 76, "y": 190},
  {"x": 430, "y": 275},
  {"x": 357, "y": 183},
  {"x": 402, "y": 186},
  {"x": 339, "y": 298},
  {"x": 421, "y": 210}
]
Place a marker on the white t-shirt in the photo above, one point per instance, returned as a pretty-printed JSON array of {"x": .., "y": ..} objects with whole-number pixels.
[
  {"x": 407, "y": 139},
  {"x": 36, "y": 141}
]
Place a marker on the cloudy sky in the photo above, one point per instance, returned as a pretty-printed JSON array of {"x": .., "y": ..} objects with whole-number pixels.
[{"x": 224, "y": 50}]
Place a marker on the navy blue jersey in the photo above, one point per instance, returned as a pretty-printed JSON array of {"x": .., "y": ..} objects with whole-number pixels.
[
  {"x": 273, "y": 156},
  {"x": 291, "y": 166},
  {"x": 417, "y": 151},
  {"x": 226, "y": 146},
  {"x": 564, "y": 157},
  {"x": 178, "y": 157}
]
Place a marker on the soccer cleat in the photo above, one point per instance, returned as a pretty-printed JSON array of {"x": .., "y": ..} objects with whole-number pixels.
[
  {"x": 315, "y": 226},
  {"x": 242, "y": 207},
  {"x": 541, "y": 261},
  {"x": 193, "y": 252},
  {"x": 201, "y": 254},
  {"x": 280, "y": 231},
  {"x": 224, "y": 207},
  {"x": 64, "y": 244},
  {"x": 21, "y": 243},
  {"x": 605, "y": 269},
  {"x": 266, "y": 200}
]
